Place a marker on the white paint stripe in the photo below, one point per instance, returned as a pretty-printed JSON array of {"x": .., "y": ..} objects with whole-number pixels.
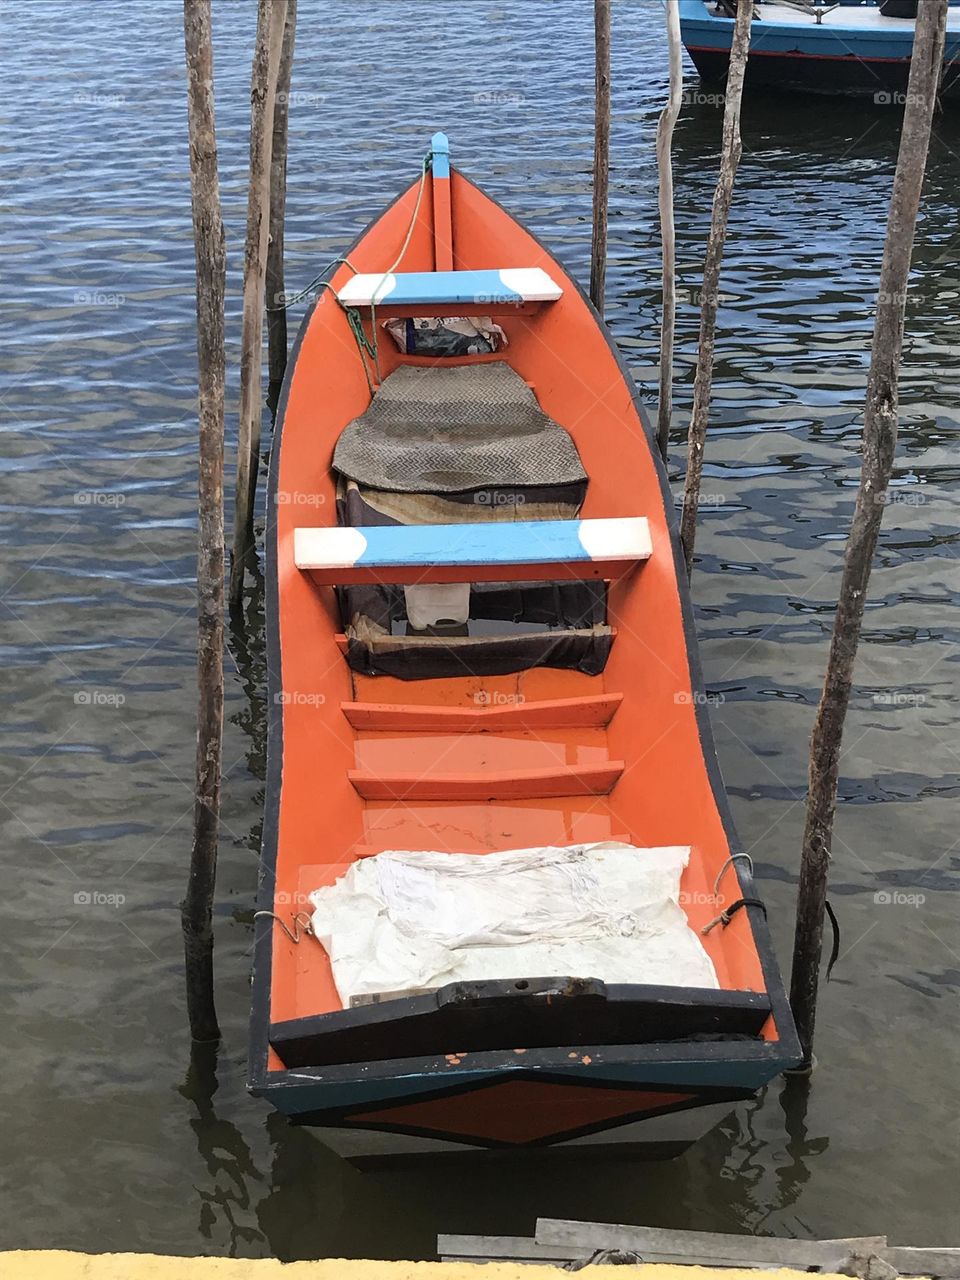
[
  {"x": 327, "y": 548},
  {"x": 532, "y": 283},
  {"x": 360, "y": 291},
  {"x": 627, "y": 537}
]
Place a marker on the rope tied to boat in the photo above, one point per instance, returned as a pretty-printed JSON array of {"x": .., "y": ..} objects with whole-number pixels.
[
  {"x": 364, "y": 345},
  {"x": 734, "y": 857},
  {"x": 317, "y": 280},
  {"x": 367, "y": 347},
  {"x": 302, "y": 924},
  {"x": 371, "y": 346},
  {"x": 727, "y": 914}
]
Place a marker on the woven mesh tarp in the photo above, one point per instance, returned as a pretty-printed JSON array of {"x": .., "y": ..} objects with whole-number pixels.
[{"x": 435, "y": 430}]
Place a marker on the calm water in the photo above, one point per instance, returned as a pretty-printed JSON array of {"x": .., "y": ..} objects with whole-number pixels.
[{"x": 107, "y": 1143}]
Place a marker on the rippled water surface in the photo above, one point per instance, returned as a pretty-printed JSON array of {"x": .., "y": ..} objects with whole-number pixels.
[{"x": 108, "y": 1143}]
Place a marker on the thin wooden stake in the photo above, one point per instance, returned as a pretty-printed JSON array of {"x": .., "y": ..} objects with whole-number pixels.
[
  {"x": 276, "y": 316},
  {"x": 271, "y": 17},
  {"x": 723, "y": 197},
  {"x": 197, "y": 906},
  {"x": 879, "y": 444},
  {"x": 601, "y": 152},
  {"x": 665, "y": 128}
]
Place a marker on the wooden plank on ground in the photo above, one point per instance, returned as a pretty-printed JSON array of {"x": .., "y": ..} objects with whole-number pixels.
[
  {"x": 559, "y": 1241},
  {"x": 454, "y": 1248},
  {"x": 705, "y": 1248},
  {"x": 924, "y": 1262}
]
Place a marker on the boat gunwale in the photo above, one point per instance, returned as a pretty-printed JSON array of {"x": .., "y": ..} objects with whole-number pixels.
[
  {"x": 783, "y": 1052},
  {"x": 539, "y": 1062},
  {"x": 559, "y": 996}
]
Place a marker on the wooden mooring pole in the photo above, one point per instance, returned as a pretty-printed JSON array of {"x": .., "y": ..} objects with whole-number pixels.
[
  {"x": 271, "y": 18},
  {"x": 276, "y": 312},
  {"x": 197, "y": 907},
  {"x": 879, "y": 444},
  {"x": 668, "y": 239},
  {"x": 601, "y": 152},
  {"x": 709, "y": 298}
]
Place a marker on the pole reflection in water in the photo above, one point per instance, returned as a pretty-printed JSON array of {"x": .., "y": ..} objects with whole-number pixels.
[{"x": 229, "y": 1196}]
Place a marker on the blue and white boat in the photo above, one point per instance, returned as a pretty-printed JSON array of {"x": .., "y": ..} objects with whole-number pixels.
[{"x": 855, "y": 46}]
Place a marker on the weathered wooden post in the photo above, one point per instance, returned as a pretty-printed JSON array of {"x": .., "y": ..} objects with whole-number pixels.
[
  {"x": 668, "y": 316},
  {"x": 276, "y": 312},
  {"x": 879, "y": 444},
  {"x": 709, "y": 299},
  {"x": 601, "y": 152},
  {"x": 271, "y": 17},
  {"x": 197, "y": 907}
]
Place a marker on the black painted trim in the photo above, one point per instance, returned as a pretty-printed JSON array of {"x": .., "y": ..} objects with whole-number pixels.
[
  {"x": 535, "y": 1012},
  {"x": 764, "y": 1054}
]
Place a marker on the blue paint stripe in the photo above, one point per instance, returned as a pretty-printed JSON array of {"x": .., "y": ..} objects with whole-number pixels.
[
  {"x": 507, "y": 542},
  {"x": 440, "y": 150},
  {"x": 476, "y": 287}
]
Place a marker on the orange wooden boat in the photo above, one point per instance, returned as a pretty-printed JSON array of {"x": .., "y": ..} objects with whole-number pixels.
[{"x": 551, "y": 702}]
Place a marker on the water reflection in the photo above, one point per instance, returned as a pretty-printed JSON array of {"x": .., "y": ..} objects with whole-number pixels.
[
  {"x": 230, "y": 1192},
  {"x": 745, "y": 1176}
]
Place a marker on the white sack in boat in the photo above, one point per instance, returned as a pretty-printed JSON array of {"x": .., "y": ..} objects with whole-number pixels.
[{"x": 402, "y": 920}]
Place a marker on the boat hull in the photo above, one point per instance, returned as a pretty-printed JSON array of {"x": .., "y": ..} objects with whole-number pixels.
[
  {"x": 658, "y": 1138},
  {"x": 885, "y": 83},
  {"x": 654, "y": 1099},
  {"x": 813, "y": 58},
  {"x": 556, "y": 1061},
  {"x": 502, "y": 1114}
]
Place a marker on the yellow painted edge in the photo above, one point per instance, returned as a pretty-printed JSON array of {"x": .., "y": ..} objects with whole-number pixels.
[{"x": 58, "y": 1264}]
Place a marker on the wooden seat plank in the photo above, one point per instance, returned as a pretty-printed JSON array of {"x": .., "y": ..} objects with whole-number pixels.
[
  {"x": 504, "y": 286},
  {"x": 529, "y": 550}
]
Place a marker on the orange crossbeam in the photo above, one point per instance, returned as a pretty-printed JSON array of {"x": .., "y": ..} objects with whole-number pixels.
[
  {"x": 530, "y": 784},
  {"x": 592, "y": 711}
]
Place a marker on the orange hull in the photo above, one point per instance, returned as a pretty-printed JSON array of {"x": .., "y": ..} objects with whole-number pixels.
[{"x": 359, "y": 764}]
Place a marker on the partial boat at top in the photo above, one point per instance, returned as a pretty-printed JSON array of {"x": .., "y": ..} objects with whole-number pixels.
[
  {"x": 492, "y": 790},
  {"x": 858, "y": 47}
]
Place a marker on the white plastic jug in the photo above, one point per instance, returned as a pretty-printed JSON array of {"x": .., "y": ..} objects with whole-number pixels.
[{"x": 433, "y": 602}]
